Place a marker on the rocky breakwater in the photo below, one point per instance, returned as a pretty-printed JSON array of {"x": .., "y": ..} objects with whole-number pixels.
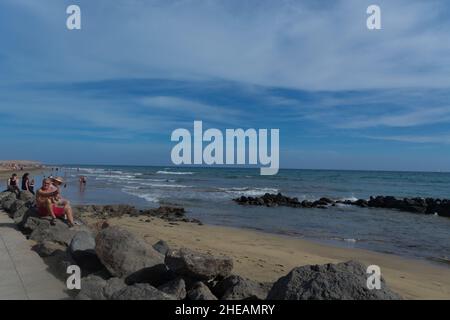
[
  {"x": 118, "y": 265},
  {"x": 440, "y": 207},
  {"x": 275, "y": 200},
  {"x": 139, "y": 271},
  {"x": 168, "y": 213}
]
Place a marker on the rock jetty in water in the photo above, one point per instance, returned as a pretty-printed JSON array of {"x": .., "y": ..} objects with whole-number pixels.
[{"x": 414, "y": 205}]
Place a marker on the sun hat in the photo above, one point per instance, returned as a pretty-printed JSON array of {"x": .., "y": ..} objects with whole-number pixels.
[{"x": 58, "y": 180}]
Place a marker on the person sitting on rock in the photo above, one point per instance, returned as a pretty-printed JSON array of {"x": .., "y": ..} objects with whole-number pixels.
[
  {"x": 50, "y": 203},
  {"x": 13, "y": 184}
]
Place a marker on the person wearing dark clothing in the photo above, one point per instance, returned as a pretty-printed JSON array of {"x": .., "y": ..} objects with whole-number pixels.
[
  {"x": 13, "y": 184},
  {"x": 26, "y": 183},
  {"x": 32, "y": 186}
]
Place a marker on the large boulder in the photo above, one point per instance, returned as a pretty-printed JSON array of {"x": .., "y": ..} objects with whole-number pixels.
[
  {"x": 140, "y": 291},
  {"x": 94, "y": 287},
  {"x": 189, "y": 263},
  {"x": 21, "y": 213},
  {"x": 47, "y": 248},
  {"x": 26, "y": 196},
  {"x": 58, "y": 262},
  {"x": 175, "y": 288},
  {"x": 82, "y": 249},
  {"x": 162, "y": 247},
  {"x": 200, "y": 291},
  {"x": 122, "y": 253},
  {"x": 43, "y": 230},
  {"x": 238, "y": 288},
  {"x": 33, "y": 223},
  {"x": 8, "y": 201},
  {"x": 4, "y": 195},
  {"x": 17, "y": 205},
  {"x": 342, "y": 281},
  {"x": 155, "y": 275}
]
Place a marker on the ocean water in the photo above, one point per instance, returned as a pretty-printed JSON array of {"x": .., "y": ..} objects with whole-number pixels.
[{"x": 207, "y": 193}]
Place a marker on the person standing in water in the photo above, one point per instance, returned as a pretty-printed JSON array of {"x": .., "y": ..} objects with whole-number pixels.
[
  {"x": 83, "y": 182},
  {"x": 26, "y": 182},
  {"x": 31, "y": 186}
]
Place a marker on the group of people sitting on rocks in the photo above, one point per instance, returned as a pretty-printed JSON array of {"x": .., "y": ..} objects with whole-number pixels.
[
  {"x": 49, "y": 201},
  {"x": 27, "y": 184}
]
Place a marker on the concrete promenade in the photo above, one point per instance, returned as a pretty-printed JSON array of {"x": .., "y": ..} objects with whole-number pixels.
[{"x": 23, "y": 274}]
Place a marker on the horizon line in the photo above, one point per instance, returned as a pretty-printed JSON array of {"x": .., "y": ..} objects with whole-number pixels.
[{"x": 238, "y": 167}]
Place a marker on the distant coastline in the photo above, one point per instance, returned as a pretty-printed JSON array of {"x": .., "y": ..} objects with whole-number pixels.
[{"x": 15, "y": 165}]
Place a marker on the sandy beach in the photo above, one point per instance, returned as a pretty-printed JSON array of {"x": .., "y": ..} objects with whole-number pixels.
[{"x": 266, "y": 257}]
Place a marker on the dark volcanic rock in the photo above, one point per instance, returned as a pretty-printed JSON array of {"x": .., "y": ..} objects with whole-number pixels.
[
  {"x": 122, "y": 253},
  {"x": 58, "y": 263},
  {"x": 140, "y": 291},
  {"x": 47, "y": 248},
  {"x": 162, "y": 247},
  {"x": 82, "y": 249},
  {"x": 361, "y": 203},
  {"x": 96, "y": 288},
  {"x": 82, "y": 242},
  {"x": 22, "y": 214},
  {"x": 33, "y": 223},
  {"x": 342, "y": 281},
  {"x": 274, "y": 200},
  {"x": 175, "y": 288},
  {"x": 200, "y": 291},
  {"x": 18, "y": 204},
  {"x": 169, "y": 213},
  {"x": 8, "y": 201},
  {"x": 106, "y": 211},
  {"x": 413, "y": 205},
  {"x": 4, "y": 195},
  {"x": 238, "y": 288},
  {"x": 439, "y": 207},
  {"x": 322, "y": 203},
  {"x": 42, "y": 230},
  {"x": 155, "y": 275},
  {"x": 26, "y": 196},
  {"x": 197, "y": 265}
]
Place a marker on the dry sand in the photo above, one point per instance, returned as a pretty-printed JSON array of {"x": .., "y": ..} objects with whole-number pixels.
[{"x": 266, "y": 257}]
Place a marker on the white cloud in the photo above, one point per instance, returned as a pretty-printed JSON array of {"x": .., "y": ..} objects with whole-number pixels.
[
  {"x": 297, "y": 44},
  {"x": 438, "y": 139},
  {"x": 411, "y": 118},
  {"x": 197, "y": 110}
]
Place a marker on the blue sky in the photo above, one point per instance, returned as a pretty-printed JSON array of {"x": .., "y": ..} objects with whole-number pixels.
[{"x": 342, "y": 96}]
